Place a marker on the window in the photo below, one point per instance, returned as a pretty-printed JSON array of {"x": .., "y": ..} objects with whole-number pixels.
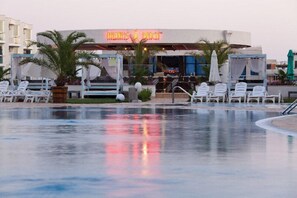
[
  {"x": 1, "y": 30},
  {"x": 195, "y": 66},
  {"x": 27, "y": 34},
  {"x": 190, "y": 65},
  {"x": 1, "y": 55},
  {"x": 27, "y": 51}
]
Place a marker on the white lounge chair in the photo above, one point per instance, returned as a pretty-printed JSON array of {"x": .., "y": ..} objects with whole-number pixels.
[
  {"x": 3, "y": 89},
  {"x": 20, "y": 92},
  {"x": 202, "y": 92},
  {"x": 257, "y": 94},
  {"x": 272, "y": 98},
  {"x": 219, "y": 92},
  {"x": 37, "y": 96},
  {"x": 239, "y": 93}
]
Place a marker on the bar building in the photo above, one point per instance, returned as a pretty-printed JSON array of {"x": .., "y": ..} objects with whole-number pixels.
[{"x": 178, "y": 45}]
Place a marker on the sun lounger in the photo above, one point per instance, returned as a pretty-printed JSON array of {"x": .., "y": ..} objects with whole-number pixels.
[
  {"x": 257, "y": 94},
  {"x": 202, "y": 92},
  {"x": 272, "y": 98},
  {"x": 20, "y": 92},
  {"x": 239, "y": 93},
  {"x": 3, "y": 89},
  {"x": 219, "y": 92},
  {"x": 37, "y": 96}
]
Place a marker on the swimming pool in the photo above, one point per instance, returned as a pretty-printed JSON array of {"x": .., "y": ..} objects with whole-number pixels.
[{"x": 143, "y": 152}]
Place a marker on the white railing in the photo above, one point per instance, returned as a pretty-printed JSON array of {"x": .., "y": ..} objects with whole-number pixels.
[{"x": 180, "y": 89}]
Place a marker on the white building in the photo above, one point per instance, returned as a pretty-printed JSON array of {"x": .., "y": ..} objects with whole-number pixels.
[
  {"x": 179, "y": 44},
  {"x": 14, "y": 38}
]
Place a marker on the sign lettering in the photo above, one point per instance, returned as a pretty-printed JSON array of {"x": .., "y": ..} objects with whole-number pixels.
[{"x": 136, "y": 35}]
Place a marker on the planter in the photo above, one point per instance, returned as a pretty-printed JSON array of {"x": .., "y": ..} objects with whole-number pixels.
[
  {"x": 59, "y": 94},
  {"x": 151, "y": 87}
]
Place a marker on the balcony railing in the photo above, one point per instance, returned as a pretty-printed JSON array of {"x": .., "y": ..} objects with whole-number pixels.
[
  {"x": 14, "y": 40},
  {"x": 26, "y": 42},
  {"x": 1, "y": 36}
]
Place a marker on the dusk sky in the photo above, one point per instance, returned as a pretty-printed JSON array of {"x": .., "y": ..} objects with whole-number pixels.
[{"x": 272, "y": 23}]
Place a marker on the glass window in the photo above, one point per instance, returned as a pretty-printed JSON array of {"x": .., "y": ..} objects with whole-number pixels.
[
  {"x": 190, "y": 59},
  {"x": 1, "y": 55},
  {"x": 1, "y": 30},
  {"x": 190, "y": 65}
]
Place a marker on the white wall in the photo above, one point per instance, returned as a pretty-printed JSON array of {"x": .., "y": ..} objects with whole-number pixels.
[{"x": 13, "y": 43}]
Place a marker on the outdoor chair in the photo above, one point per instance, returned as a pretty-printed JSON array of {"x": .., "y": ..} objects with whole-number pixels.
[
  {"x": 37, "y": 96},
  {"x": 8, "y": 96},
  {"x": 239, "y": 93},
  {"x": 20, "y": 92},
  {"x": 257, "y": 94},
  {"x": 202, "y": 92},
  {"x": 3, "y": 89},
  {"x": 219, "y": 92},
  {"x": 272, "y": 98}
]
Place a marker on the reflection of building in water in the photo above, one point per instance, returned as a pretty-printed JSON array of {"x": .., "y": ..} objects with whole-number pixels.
[
  {"x": 135, "y": 141},
  {"x": 211, "y": 131}
]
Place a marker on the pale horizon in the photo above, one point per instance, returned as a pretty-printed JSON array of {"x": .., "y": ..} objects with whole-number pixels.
[{"x": 272, "y": 23}]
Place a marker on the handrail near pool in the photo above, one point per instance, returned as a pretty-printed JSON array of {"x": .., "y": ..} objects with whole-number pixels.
[
  {"x": 180, "y": 89},
  {"x": 290, "y": 107}
]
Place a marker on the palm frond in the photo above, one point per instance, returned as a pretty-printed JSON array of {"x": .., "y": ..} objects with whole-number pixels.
[
  {"x": 4, "y": 72},
  {"x": 61, "y": 54}
]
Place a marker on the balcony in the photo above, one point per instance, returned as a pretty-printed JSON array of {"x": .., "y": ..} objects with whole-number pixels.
[
  {"x": 2, "y": 37},
  {"x": 15, "y": 41},
  {"x": 26, "y": 42}
]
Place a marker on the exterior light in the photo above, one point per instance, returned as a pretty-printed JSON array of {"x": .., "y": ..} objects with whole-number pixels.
[{"x": 138, "y": 86}]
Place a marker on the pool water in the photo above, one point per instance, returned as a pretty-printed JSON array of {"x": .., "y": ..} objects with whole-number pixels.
[{"x": 143, "y": 152}]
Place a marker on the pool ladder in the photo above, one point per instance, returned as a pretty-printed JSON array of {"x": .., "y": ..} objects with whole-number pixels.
[
  {"x": 290, "y": 108},
  {"x": 175, "y": 87}
]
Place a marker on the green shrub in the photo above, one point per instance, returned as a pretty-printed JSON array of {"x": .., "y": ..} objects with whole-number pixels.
[{"x": 145, "y": 95}]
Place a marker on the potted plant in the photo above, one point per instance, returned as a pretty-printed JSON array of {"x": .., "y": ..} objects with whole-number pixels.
[{"x": 62, "y": 56}]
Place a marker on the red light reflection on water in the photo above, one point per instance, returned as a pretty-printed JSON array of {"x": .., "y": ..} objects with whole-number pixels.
[{"x": 134, "y": 148}]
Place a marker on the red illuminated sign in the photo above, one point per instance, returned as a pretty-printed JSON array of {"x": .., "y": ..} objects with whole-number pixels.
[{"x": 136, "y": 35}]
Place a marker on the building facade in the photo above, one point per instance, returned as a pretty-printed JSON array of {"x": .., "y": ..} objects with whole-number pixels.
[
  {"x": 178, "y": 45},
  {"x": 14, "y": 39}
]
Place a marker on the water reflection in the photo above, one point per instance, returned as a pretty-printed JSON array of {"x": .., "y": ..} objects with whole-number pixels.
[
  {"x": 136, "y": 144},
  {"x": 113, "y": 152}
]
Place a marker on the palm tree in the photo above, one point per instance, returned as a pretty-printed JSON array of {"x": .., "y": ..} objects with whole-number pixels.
[
  {"x": 282, "y": 76},
  {"x": 3, "y": 73},
  {"x": 138, "y": 56},
  {"x": 62, "y": 56},
  {"x": 222, "y": 49}
]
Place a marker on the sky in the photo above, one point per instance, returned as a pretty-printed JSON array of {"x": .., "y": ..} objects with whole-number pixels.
[{"x": 272, "y": 23}]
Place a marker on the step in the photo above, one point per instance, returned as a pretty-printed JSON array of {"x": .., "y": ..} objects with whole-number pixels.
[{"x": 169, "y": 95}]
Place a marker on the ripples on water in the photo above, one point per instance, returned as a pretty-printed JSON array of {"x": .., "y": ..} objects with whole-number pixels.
[{"x": 147, "y": 152}]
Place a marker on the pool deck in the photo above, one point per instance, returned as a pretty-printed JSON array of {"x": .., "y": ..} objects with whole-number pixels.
[{"x": 281, "y": 122}]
